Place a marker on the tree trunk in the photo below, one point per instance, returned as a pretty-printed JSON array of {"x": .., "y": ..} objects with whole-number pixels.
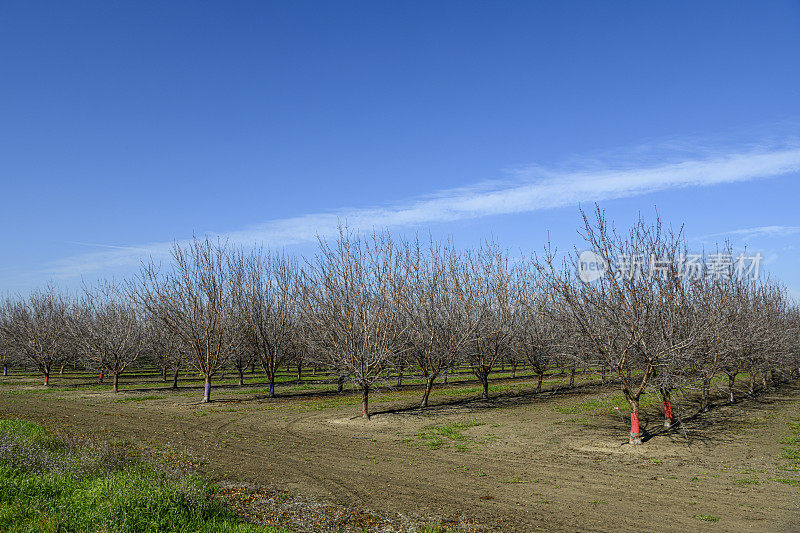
[
  {"x": 100, "y": 380},
  {"x": 253, "y": 367},
  {"x": 731, "y": 381},
  {"x": 46, "y": 379},
  {"x": 164, "y": 374},
  {"x": 61, "y": 370},
  {"x": 272, "y": 385},
  {"x": 665, "y": 396},
  {"x": 513, "y": 370},
  {"x": 445, "y": 376},
  {"x": 603, "y": 375},
  {"x": 752, "y": 383},
  {"x": 400, "y": 377},
  {"x": 115, "y": 387},
  {"x": 339, "y": 384},
  {"x": 175, "y": 378},
  {"x": 636, "y": 433},
  {"x": 484, "y": 378},
  {"x": 5, "y": 369},
  {"x": 299, "y": 372},
  {"x": 572, "y": 377},
  {"x": 704, "y": 395},
  {"x": 241, "y": 376},
  {"x": 427, "y": 393},
  {"x": 207, "y": 390},
  {"x": 365, "y": 402},
  {"x": 539, "y": 382}
]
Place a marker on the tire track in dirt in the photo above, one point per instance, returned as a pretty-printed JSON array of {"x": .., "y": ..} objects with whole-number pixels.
[{"x": 588, "y": 480}]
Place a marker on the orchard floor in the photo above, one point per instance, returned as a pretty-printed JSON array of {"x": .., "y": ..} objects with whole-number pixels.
[{"x": 522, "y": 461}]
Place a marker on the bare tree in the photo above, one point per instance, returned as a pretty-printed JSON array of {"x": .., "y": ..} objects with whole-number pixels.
[
  {"x": 193, "y": 299},
  {"x": 300, "y": 343},
  {"x": 676, "y": 328},
  {"x": 161, "y": 346},
  {"x": 491, "y": 279},
  {"x": 614, "y": 312},
  {"x": 439, "y": 309},
  {"x": 538, "y": 333},
  {"x": 108, "y": 330},
  {"x": 5, "y": 338},
  {"x": 265, "y": 298},
  {"x": 353, "y": 310},
  {"x": 37, "y": 329},
  {"x": 6, "y": 348},
  {"x": 769, "y": 338}
]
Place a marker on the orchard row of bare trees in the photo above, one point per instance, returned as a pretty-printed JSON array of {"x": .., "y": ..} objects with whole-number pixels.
[
  {"x": 671, "y": 328},
  {"x": 367, "y": 305}
]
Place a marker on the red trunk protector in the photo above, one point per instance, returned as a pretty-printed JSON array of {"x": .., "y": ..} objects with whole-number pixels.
[{"x": 634, "y": 423}]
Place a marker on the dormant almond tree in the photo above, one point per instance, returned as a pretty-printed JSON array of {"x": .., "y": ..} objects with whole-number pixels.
[
  {"x": 160, "y": 345},
  {"x": 164, "y": 349},
  {"x": 613, "y": 313},
  {"x": 770, "y": 344},
  {"x": 300, "y": 341},
  {"x": 492, "y": 281},
  {"x": 37, "y": 328},
  {"x": 439, "y": 309},
  {"x": 108, "y": 330},
  {"x": 193, "y": 299},
  {"x": 352, "y": 308},
  {"x": 676, "y": 327},
  {"x": 537, "y": 331},
  {"x": 790, "y": 339},
  {"x": 265, "y": 298},
  {"x": 747, "y": 328},
  {"x": 5, "y": 340},
  {"x": 245, "y": 355}
]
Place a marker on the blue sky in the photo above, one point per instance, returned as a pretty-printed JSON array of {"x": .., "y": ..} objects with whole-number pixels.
[{"x": 127, "y": 125}]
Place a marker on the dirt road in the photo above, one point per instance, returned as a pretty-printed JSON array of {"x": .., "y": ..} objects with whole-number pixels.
[{"x": 519, "y": 463}]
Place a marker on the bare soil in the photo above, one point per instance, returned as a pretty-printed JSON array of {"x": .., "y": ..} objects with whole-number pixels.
[{"x": 522, "y": 461}]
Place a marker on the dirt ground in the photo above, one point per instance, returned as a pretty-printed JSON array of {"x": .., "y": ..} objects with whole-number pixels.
[{"x": 522, "y": 461}]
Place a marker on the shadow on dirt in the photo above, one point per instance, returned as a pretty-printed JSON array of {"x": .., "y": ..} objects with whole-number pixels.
[{"x": 722, "y": 422}]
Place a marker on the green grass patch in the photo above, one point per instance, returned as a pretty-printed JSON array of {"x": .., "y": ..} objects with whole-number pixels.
[
  {"x": 446, "y": 435},
  {"x": 787, "y": 481},
  {"x": 707, "y": 517},
  {"x": 53, "y": 484},
  {"x": 791, "y": 453},
  {"x": 602, "y": 405}
]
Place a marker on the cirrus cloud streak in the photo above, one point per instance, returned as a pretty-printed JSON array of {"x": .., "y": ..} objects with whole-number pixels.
[{"x": 533, "y": 189}]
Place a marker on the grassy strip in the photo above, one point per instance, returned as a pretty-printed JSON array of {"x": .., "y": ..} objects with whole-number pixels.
[
  {"x": 442, "y": 436},
  {"x": 791, "y": 453},
  {"x": 608, "y": 404},
  {"x": 50, "y": 483}
]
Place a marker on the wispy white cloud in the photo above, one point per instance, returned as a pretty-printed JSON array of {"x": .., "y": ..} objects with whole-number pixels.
[
  {"x": 531, "y": 189},
  {"x": 761, "y": 231}
]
